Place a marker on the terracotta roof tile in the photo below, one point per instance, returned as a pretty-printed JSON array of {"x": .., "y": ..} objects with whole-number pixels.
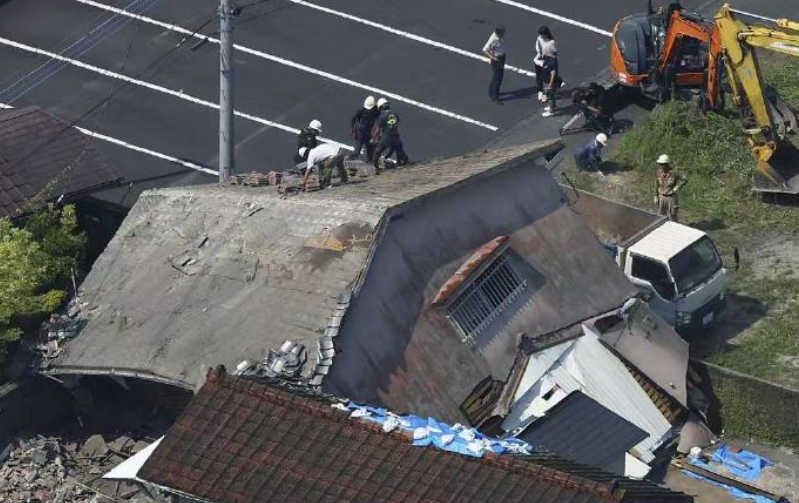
[{"x": 244, "y": 442}]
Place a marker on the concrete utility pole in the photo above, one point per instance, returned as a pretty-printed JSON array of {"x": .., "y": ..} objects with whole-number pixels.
[{"x": 226, "y": 133}]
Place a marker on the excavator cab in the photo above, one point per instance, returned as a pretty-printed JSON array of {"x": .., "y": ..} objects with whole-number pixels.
[{"x": 659, "y": 52}]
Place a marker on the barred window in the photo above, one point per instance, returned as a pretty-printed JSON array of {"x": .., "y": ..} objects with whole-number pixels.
[{"x": 482, "y": 301}]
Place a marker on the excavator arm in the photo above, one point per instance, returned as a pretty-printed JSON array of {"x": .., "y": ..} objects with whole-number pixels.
[{"x": 773, "y": 119}]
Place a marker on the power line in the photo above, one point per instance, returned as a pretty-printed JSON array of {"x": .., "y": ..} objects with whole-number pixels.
[
  {"x": 45, "y": 71},
  {"x": 114, "y": 92}
]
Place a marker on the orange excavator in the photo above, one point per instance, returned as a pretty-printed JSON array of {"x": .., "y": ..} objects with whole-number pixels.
[{"x": 663, "y": 53}]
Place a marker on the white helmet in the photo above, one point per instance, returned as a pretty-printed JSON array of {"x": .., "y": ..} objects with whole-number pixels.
[
  {"x": 382, "y": 101},
  {"x": 369, "y": 102},
  {"x": 315, "y": 124},
  {"x": 302, "y": 151},
  {"x": 602, "y": 139},
  {"x": 664, "y": 159}
]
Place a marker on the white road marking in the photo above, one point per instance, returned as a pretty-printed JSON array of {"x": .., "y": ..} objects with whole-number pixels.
[
  {"x": 154, "y": 87},
  {"x": 137, "y": 148},
  {"x": 292, "y": 64},
  {"x": 556, "y": 17},
  {"x": 407, "y": 35}
]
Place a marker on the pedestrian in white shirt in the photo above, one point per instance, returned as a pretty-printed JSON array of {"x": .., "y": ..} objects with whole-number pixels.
[
  {"x": 495, "y": 52},
  {"x": 544, "y": 43},
  {"x": 325, "y": 157}
]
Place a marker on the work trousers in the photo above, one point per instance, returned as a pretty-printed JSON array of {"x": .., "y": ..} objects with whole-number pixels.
[
  {"x": 498, "y": 72},
  {"x": 326, "y": 170},
  {"x": 363, "y": 139},
  {"x": 388, "y": 145},
  {"x": 668, "y": 206}
]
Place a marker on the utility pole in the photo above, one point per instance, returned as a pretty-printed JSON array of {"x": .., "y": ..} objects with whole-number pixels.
[{"x": 226, "y": 133}]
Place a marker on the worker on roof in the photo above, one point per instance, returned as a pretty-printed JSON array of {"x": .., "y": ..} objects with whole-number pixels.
[
  {"x": 361, "y": 126},
  {"x": 589, "y": 156},
  {"x": 667, "y": 184},
  {"x": 386, "y": 136},
  {"x": 324, "y": 158},
  {"x": 307, "y": 139}
]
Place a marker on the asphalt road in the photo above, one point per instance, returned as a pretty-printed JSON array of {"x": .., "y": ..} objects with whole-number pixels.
[{"x": 301, "y": 60}]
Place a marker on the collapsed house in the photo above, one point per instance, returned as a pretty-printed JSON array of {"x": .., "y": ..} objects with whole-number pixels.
[
  {"x": 244, "y": 441},
  {"x": 434, "y": 289}
]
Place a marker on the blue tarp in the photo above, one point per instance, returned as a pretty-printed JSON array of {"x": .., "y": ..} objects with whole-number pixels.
[
  {"x": 428, "y": 431},
  {"x": 744, "y": 464}
]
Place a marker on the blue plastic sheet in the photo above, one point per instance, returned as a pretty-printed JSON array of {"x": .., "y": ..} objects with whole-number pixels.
[
  {"x": 430, "y": 432},
  {"x": 744, "y": 464}
]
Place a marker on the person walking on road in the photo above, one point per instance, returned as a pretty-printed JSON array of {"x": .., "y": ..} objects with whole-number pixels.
[
  {"x": 361, "y": 126},
  {"x": 667, "y": 183},
  {"x": 544, "y": 38},
  {"x": 550, "y": 72},
  {"x": 307, "y": 139},
  {"x": 589, "y": 156},
  {"x": 324, "y": 158},
  {"x": 495, "y": 52},
  {"x": 386, "y": 136}
]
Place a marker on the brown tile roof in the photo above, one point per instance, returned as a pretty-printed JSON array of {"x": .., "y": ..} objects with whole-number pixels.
[
  {"x": 240, "y": 441},
  {"x": 36, "y": 149}
]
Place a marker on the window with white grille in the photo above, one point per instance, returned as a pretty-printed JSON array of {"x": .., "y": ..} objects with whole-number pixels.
[{"x": 488, "y": 295}]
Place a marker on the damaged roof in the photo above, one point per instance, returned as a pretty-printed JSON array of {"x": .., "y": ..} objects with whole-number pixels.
[
  {"x": 244, "y": 442},
  {"x": 37, "y": 149},
  {"x": 210, "y": 275},
  {"x": 581, "y": 429}
]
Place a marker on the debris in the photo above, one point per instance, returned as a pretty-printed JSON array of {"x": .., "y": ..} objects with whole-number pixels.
[
  {"x": 286, "y": 363},
  {"x": 52, "y": 470}
]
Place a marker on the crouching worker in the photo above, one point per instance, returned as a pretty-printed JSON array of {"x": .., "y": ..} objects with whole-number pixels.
[
  {"x": 324, "y": 158},
  {"x": 589, "y": 156}
]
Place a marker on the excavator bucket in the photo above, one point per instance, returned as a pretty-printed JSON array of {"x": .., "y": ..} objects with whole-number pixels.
[{"x": 780, "y": 174}]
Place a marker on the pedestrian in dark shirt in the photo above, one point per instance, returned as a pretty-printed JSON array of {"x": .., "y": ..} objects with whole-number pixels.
[
  {"x": 361, "y": 125},
  {"x": 495, "y": 52},
  {"x": 387, "y": 136}
]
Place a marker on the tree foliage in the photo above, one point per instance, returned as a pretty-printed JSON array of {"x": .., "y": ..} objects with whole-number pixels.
[{"x": 37, "y": 260}]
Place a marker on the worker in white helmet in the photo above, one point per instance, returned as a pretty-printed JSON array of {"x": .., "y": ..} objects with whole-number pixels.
[
  {"x": 361, "y": 126},
  {"x": 386, "y": 136},
  {"x": 589, "y": 156},
  {"x": 324, "y": 158},
  {"x": 307, "y": 138},
  {"x": 667, "y": 183}
]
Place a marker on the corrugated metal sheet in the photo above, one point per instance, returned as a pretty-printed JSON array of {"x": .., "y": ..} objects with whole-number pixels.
[
  {"x": 666, "y": 241},
  {"x": 586, "y": 365},
  {"x": 580, "y": 429}
]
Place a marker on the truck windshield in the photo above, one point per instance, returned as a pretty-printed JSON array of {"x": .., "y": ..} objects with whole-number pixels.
[{"x": 695, "y": 264}]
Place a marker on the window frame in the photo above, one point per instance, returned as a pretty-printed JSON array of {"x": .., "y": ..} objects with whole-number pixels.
[{"x": 495, "y": 287}]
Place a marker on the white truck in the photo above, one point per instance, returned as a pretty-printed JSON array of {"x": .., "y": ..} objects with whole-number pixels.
[{"x": 676, "y": 267}]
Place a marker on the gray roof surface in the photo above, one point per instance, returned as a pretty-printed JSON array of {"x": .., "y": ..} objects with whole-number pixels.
[
  {"x": 211, "y": 275},
  {"x": 580, "y": 429},
  {"x": 37, "y": 149}
]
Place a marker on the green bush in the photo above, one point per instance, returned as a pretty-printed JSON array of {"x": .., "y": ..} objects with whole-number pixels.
[{"x": 37, "y": 260}]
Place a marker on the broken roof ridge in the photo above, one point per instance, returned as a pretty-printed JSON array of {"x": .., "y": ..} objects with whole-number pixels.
[{"x": 536, "y": 465}]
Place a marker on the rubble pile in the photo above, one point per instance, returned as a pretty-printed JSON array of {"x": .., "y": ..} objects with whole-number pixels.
[
  {"x": 286, "y": 363},
  {"x": 60, "y": 328},
  {"x": 53, "y": 470}
]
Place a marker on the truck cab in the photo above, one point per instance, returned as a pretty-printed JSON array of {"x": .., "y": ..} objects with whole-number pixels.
[
  {"x": 676, "y": 268},
  {"x": 681, "y": 272}
]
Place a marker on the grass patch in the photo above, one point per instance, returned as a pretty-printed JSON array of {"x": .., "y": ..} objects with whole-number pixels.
[{"x": 711, "y": 150}]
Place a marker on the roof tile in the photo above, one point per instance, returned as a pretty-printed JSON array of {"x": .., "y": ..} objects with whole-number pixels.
[{"x": 244, "y": 442}]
